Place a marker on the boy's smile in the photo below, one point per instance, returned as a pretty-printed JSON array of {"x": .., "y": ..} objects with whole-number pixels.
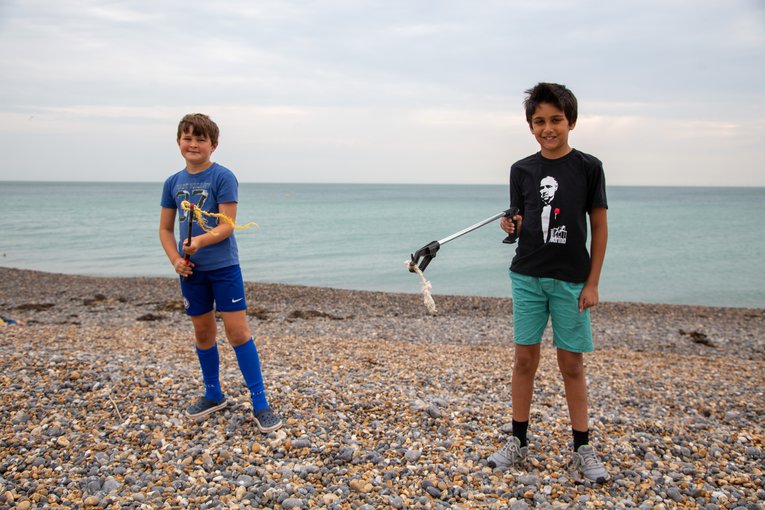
[
  {"x": 196, "y": 150},
  {"x": 550, "y": 127}
]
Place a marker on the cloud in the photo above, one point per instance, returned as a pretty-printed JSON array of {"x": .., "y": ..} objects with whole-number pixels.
[
  {"x": 680, "y": 153},
  {"x": 376, "y": 91}
]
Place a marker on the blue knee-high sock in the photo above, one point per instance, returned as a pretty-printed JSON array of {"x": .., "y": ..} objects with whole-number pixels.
[
  {"x": 209, "y": 360},
  {"x": 249, "y": 364}
]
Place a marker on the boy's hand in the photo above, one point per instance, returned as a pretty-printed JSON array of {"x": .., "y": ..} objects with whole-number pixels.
[
  {"x": 182, "y": 267},
  {"x": 191, "y": 246},
  {"x": 508, "y": 224},
  {"x": 588, "y": 298}
]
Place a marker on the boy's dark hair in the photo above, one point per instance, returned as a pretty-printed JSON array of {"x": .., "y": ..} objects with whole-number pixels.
[
  {"x": 554, "y": 94},
  {"x": 200, "y": 125}
]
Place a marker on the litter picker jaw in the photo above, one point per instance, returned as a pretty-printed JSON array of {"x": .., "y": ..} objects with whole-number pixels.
[{"x": 428, "y": 252}]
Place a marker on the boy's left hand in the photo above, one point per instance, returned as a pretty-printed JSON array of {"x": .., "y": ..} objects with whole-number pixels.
[
  {"x": 588, "y": 298},
  {"x": 190, "y": 247}
]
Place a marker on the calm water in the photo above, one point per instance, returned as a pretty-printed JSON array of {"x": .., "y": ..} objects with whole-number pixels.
[{"x": 666, "y": 245}]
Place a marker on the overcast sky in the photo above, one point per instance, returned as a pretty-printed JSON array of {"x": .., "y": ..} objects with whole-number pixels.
[{"x": 670, "y": 92}]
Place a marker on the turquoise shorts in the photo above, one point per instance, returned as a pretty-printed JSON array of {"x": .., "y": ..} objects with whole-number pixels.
[{"x": 535, "y": 300}]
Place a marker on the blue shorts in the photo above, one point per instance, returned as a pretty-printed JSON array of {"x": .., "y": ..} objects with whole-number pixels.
[
  {"x": 535, "y": 300},
  {"x": 223, "y": 287}
]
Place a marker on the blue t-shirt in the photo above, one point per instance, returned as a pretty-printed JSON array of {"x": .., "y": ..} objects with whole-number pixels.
[{"x": 206, "y": 190}]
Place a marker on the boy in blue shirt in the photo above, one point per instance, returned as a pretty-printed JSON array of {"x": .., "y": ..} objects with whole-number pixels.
[
  {"x": 553, "y": 275},
  {"x": 211, "y": 276}
]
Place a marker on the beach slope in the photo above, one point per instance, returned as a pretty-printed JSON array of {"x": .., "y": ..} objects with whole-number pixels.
[{"x": 384, "y": 404}]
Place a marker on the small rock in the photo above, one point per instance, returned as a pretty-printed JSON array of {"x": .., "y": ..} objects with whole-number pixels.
[
  {"x": 91, "y": 501},
  {"x": 434, "y": 412},
  {"x": 412, "y": 455},
  {"x": 292, "y": 503}
]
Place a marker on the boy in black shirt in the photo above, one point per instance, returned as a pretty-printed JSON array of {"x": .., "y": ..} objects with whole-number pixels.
[{"x": 552, "y": 273}]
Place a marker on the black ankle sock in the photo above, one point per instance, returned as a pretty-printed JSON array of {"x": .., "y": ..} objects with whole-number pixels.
[
  {"x": 519, "y": 431},
  {"x": 580, "y": 438}
]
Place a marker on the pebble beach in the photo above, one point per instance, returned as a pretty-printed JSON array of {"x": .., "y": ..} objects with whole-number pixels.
[{"x": 385, "y": 404}]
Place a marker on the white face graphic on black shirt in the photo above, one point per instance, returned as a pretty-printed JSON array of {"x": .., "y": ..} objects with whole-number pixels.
[{"x": 547, "y": 188}]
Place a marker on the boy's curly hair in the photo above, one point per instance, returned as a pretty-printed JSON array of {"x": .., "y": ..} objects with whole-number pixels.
[
  {"x": 200, "y": 125},
  {"x": 554, "y": 94}
]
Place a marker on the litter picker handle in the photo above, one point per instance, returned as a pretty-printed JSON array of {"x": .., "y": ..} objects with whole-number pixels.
[
  {"x": 188, "y": 238},
  {"x": 428, "y": 252},
  {"x": 511, "y": 238}
]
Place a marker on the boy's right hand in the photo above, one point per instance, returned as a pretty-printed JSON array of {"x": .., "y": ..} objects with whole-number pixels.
[
  {"x": 508, "y": 224},
  {"x": 182, "y": 267}
]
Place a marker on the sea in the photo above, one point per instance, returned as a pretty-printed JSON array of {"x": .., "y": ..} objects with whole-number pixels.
[{"x": 671, "y": 245}]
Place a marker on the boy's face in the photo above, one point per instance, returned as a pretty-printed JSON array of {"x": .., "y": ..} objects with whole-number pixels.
[
  {"x": 550, "y": 127},
  {"x": 196, "y": 150}
]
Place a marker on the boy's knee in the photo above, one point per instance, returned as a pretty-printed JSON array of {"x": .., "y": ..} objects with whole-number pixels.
[
  {"x": 205, "y": 330},
  {"x": 526, "y": 363},
  {"x": 575, "y": 372},
  {"x": 237, "y": 334},
  {"x": 238, "y": 340},
  {"x": 205, "y": 336},
  {"x": 571, "y": 367},
  {"x": 236, "y": 327}
]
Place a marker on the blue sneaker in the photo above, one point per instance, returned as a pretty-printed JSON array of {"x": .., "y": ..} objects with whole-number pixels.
[
  {"x": 267, "y": 421},
  {"x": 204, "y": 406}
]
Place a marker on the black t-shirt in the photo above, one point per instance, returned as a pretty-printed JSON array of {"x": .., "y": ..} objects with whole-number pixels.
[{"x": 554, "y": 197}]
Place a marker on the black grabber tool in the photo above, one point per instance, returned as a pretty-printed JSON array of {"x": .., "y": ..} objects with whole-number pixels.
[
  {"x": 424, "y": 255},
  {"x": 188, "y": 238}
]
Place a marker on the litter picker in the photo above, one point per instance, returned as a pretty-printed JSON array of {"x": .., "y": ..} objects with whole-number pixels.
[
  {"x": 188, "y": 238},
  {"x": 422, "y": 257}
]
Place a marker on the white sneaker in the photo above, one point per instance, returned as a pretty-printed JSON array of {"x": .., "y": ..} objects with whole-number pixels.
[
  {"x": 585, "y": 463},
  {"x": 509, "y": 455}
]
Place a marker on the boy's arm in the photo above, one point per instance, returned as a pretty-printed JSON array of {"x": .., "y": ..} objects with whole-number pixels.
[
  {"x": 218, "y": 234},
  {"x": 599, "y": 235}
]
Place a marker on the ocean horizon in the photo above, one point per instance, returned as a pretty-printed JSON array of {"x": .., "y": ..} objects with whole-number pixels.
[{"x": 669, "y": 245}]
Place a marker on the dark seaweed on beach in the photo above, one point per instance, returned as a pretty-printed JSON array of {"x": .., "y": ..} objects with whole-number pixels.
[
  {"x": 172, "y": 305},
  {"x": 698, "y": 337},
  {"x": 259, "y": 313},
  {"x": 35, "y": 307},
  {"x": 150, "y": 317},
  {"x": 312, "y": 314}
]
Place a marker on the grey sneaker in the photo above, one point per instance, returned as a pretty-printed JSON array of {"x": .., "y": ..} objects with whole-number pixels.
[
  {"x": 204, "y": 406},
  {"x": 585, "y": 463},
  {"x": 509, "y": 455},
  {"x": 267, "y": 421}
]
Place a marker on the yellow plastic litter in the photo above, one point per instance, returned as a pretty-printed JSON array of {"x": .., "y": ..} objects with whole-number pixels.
[{"x": 199, "y": 215}]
